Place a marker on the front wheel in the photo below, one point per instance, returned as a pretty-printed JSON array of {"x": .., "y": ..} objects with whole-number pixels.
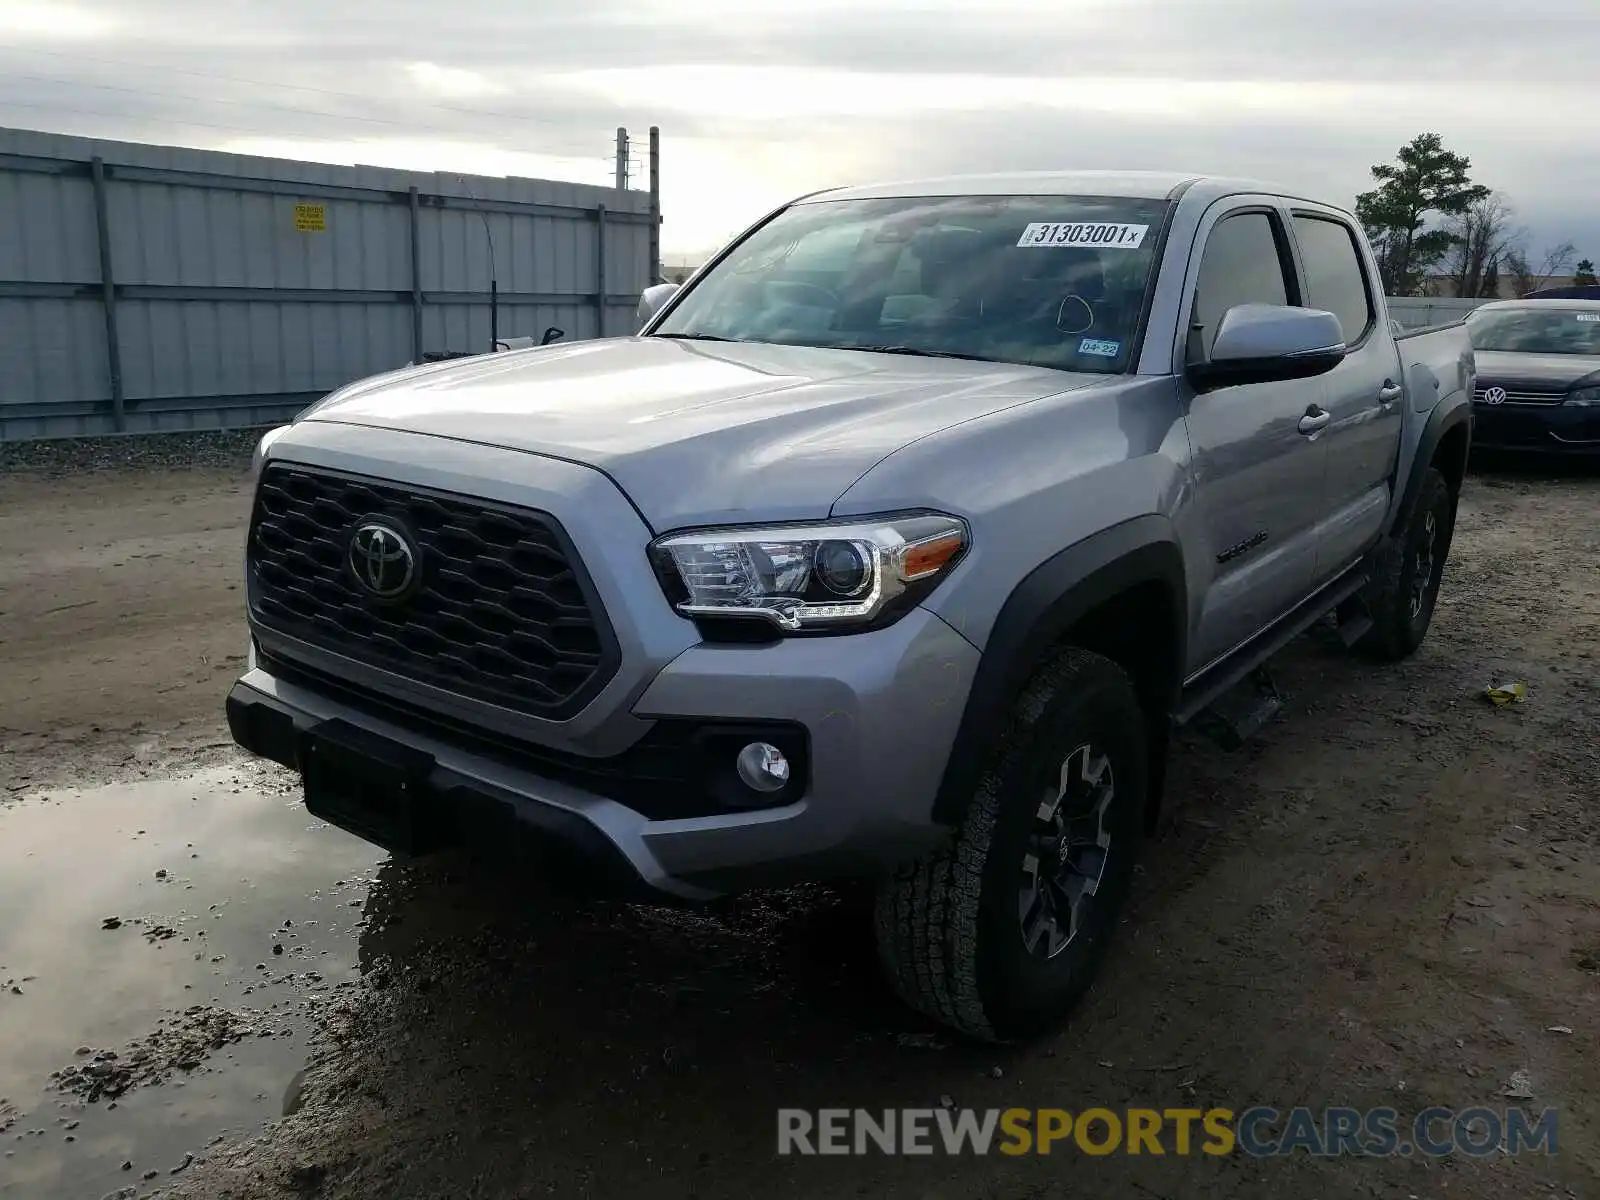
[
  {"x": 1000, "y": 933},
  {"x": 1409, "y": 572}
]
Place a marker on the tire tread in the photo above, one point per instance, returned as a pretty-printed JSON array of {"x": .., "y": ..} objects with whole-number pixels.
[
  {"x": 1391, "y": 638},
  {"x": 927, "y": 913}
]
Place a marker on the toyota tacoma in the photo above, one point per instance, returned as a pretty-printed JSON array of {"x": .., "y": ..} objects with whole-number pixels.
[{"x": 892, "y": 547}]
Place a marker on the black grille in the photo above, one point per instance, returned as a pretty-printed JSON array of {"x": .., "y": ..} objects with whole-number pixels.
[{"x": 502, "y": 613}]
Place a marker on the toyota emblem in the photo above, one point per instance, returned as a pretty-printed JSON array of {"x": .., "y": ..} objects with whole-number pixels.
[
  {"x": 382, "y": 560},
  {"x": 1494, "y": 395}
]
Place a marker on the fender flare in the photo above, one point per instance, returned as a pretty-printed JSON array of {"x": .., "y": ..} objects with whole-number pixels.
[
  {"x": 1445, "y": 417},
  {"x": 1040, "y": 609}
]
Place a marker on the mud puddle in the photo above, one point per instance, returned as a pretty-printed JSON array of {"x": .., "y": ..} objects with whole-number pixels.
[{"x": 164, "y": 950}]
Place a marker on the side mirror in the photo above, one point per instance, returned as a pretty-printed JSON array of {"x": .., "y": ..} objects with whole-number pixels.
[
  {"x": 652, "y": 301},
  {"x": 1269, "y": 343}
]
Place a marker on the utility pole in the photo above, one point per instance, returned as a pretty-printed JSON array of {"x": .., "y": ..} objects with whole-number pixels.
[
  {"x": 655, "y": 204},
  {"x": 622, "y": 159}
]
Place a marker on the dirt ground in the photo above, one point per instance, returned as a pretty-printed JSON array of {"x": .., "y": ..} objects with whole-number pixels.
[{"x": 1391, "y": 897}]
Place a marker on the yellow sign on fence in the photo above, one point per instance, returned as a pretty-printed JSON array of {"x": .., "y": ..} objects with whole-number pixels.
[{"x": 311, "y": 218}]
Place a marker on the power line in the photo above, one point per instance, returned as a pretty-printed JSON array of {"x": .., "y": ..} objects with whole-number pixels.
[
  {"x": 100, "y": 112},
  {"x": 179, "y": 121},
  {"x": 310, "y": 112},
  {"x": 299, "y": 87}
]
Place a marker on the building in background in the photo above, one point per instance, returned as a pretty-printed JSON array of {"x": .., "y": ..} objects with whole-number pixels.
[{"x": 1507, "y": 285}]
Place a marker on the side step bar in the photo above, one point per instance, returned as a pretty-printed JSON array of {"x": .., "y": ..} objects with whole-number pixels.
[
  {"x": 1210, "y": 685},
  {"x": 1237, "y": 715}
]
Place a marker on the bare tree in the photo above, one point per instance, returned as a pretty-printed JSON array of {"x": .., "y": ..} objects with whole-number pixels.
[
  {"x": 1527, "y": 279},
  {"x": 1483, "y": 234},
  {"x": 1491, "y": 279}
]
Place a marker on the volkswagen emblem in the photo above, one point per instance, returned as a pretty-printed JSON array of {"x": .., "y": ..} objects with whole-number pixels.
[
  {"x": 382, "y": 560},
  {"x": 1494, "y": 395}
]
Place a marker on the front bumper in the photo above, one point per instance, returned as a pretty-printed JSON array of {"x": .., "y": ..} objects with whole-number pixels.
[
  {"x": 879, "y": 711},
  {"x": 1541, "y": 428}
]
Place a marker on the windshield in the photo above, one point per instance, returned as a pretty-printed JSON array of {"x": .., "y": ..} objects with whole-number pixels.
[
  {"x": 1536, "y": 331},
  {"x": 1051, "y": 281}
]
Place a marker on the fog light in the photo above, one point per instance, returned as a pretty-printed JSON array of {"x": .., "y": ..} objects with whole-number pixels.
[{"x": 763, "y": 767}]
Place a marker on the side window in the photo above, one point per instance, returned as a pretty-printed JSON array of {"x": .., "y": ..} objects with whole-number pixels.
[
  {"x": 1334, "y": 279},
  {"x": 1241, "y": 265}
]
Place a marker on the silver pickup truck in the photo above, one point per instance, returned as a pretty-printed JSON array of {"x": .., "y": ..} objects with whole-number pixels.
[{"x": 892, "y": 548}]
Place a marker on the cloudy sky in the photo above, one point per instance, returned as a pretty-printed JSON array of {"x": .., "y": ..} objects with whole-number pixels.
[{"x": 763, "y": 99}]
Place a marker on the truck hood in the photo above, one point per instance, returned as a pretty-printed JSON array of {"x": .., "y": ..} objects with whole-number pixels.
[
  {"x": 1537, "y": 370},
  {"x": 698, "y": 432}
]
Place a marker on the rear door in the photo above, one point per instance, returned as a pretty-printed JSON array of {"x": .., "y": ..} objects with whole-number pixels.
[
  {"x": 1363, "y": 393},
  {"x": 1259, "y": 486}
]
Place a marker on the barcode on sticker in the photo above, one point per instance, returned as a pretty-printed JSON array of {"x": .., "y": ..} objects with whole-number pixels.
[{"x": 1111, "y": 235}]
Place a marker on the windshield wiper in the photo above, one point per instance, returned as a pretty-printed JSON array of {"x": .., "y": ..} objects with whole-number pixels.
[
  {"x": 917, "y": 352},
  {"x": 697, "y": 337}
]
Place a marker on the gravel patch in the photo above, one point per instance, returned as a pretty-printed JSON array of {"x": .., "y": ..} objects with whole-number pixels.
[
  {"x": 182, "y": 1043},
  {"x": 208, "y": 450}
]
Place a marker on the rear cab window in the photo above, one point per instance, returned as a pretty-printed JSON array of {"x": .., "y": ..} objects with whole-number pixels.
[{"x": 1335, "y": 280}]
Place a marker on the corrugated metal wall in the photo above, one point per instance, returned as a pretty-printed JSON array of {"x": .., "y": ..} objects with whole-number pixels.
[{"x": 228, "y": 311}]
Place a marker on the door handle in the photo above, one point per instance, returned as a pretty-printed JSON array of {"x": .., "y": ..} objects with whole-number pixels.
[
  {"x": 1389, "y": 392},
  {"x": 1315, "y": 419}
]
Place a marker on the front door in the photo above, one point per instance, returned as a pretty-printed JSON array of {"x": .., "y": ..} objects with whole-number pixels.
[{"x": 1258, "y": 477}]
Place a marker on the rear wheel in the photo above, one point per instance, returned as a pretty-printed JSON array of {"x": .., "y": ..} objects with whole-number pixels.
[
  {"x": 999, "y": 934},
  {"x": 1410, "y": 569}
]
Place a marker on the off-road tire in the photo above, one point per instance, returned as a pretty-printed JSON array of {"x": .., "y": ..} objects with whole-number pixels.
[
  {"x": 1396, "y": 630},
  {"x": 948, "y": 927}
]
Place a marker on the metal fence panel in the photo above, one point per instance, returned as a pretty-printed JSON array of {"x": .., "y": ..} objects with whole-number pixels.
[
  {"x": 148, "y": 288},
  {"x": 1418, "y": 312}
]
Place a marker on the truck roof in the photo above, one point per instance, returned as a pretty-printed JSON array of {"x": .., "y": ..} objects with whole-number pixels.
[{"x": 1140, "y": 185}]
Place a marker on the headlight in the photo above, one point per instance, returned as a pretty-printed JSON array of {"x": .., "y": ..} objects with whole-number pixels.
[
  {"x": 810, "y": 578},
  {"x": 1584, "y": 397},
  {"x": 260, "y": 455}
]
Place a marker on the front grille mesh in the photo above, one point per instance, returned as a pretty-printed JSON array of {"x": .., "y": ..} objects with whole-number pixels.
[
  {"x": 1522, "y": 395},
  {"x": 502, "y": 613}
]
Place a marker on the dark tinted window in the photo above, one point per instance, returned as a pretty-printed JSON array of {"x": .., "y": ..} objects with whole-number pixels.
[
  {"x": 1333, "y": 274},
  {"x": 1241, "y": 266}
]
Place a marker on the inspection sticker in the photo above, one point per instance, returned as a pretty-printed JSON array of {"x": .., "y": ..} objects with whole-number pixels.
[
  {"x": 1112, "y": 235},
  {"x": 1589, "y": 316},
  {"x": 1099, "y": 347}
]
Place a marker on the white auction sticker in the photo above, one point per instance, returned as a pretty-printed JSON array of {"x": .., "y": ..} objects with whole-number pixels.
[
  {"x": 1589, "y": 316},
  {"x": 1111, "y": 235}
]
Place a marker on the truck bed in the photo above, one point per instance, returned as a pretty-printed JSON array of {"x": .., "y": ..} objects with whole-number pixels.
[{"x": 1438, "y": 361}]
